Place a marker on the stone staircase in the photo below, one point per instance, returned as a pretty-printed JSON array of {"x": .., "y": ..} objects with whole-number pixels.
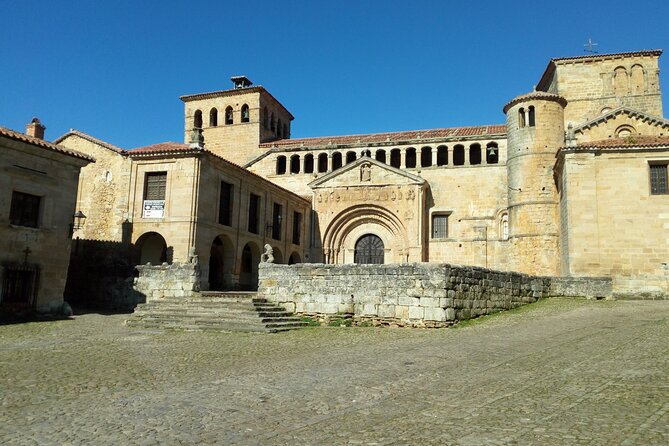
[{"x": 215, "y": 311}]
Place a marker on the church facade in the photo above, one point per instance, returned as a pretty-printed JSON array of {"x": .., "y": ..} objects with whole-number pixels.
[{"x": 574, "y": 183}]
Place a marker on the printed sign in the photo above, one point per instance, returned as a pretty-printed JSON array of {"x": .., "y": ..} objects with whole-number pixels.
[{"x": 154, "y": 209}]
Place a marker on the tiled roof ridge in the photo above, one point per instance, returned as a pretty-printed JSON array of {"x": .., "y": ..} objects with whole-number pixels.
[
  {"x": 655, "y": 52},
  {"x": 90, "y": 138},
  {"x": 627, "y": 141},
  {"x": 424, "y": 134},
  {"x": 618, "y": 110},
  {"x": 18, "y": 136},
  {"x": 172, "y": 147},
  {"x": 213, "y": 94},
  {"x": 537, "y": 94}
]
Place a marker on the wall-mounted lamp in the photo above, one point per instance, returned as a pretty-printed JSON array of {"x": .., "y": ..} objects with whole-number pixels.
[{"x": 77, "y": 222}]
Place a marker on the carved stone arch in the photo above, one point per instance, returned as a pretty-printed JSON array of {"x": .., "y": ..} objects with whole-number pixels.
[
  {"x": 625, "y": 130},
  {"x": 637, "y": 79},
  {"x": 344, "y": 230}
]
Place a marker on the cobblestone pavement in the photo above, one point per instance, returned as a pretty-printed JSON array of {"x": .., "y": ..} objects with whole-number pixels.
[{"x": 560, "y": 372}]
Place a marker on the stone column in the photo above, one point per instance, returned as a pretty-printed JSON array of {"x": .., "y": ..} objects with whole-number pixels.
[
  {"x": 434, "y": 156},
  {"x": 403, "y": 158},
  {"x": 466, "y": 156},
  {"x": 329, "y": 162}
]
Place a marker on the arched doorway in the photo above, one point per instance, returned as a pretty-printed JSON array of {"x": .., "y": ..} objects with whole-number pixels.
[
  {"x": 248, "y": 273},
  {"x": 278, "y": 256},
  {"x": 369, "y": 250},
  {"x": 294, "y": 258},
  {"x": 152, "y": 249},
  {"x": 221, "y": 261}
]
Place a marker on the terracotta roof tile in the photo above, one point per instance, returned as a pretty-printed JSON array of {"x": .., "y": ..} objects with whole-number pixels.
[
  {"x": 172, "y": 148},
  {"x": 610, "y": 55},
  {"x": 364, "y": 139},
  {"x": 90, "y": 138},
  {"x": 17, "y": 136},
  {"x": 629, "y": 141},
  {"x": 163, "y": 147}
]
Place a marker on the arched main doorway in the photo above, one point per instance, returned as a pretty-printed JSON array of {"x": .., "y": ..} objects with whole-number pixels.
[
  {"x": 248, "y": 272},
  {"x": 369, "y": 249},
  {"x": 221, "y": 262},
  {"x": 152, "y": 249}
]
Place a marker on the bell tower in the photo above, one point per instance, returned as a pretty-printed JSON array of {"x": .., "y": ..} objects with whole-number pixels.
[
  {"x": 535, "y": 131},
  {"x": 235, "y": 121}
]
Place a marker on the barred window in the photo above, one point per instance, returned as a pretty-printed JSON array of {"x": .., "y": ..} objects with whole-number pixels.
[
  {"x": 658, "y": 179},
  {"x": 440, "y": 226},
  {"x": 154, "y": 187},
  {"x": 24, "y": 210}
]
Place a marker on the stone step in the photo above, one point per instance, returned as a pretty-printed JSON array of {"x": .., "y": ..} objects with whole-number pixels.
[
  {"x": 249, "y": 317},
  {"x": 215, "y": 311}
]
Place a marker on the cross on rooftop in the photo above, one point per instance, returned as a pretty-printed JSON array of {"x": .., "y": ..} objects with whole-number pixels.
[{"x": 590, "y": 46}]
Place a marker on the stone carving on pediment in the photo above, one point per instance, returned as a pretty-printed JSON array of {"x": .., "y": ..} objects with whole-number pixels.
[{"x": 366, "y": 172}]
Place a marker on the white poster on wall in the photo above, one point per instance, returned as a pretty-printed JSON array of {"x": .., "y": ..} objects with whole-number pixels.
[{"x": 154, "y": 209}]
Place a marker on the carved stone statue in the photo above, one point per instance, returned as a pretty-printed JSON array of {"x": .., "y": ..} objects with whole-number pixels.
[
  {"x": 192, "y": 257},
  {"x": 268, "y": 255},
  {"x": 366, "y": 172}
]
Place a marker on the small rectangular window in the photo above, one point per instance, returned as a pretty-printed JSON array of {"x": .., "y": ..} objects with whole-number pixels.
[
  {"x": 24, "y": 210},
  {"x": 658, "y": 179},
  {"x": 440, "y": 226},
  {"x": 276, "y": 221},
  {"x": 254, "y": 213},
  {"x": 297, "y": 228},
  {"x": 225, "y": 204},
  {"x": 154, "y": 186}
]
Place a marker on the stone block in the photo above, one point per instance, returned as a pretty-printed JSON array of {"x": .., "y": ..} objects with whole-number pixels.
[
  {"x": 401, "y": 312},
  {"x": 432, "y": 302},
  {"x": 369, "y": 310},
  {"x": 386, "y": 311},
  {"x": 435, "y": 314},
  {"x": 416, "y": 313}
]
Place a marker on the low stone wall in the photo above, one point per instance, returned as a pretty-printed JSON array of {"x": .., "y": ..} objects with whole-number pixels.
[
  {"x": 588, "y": 287},
  {"x": 168, "y": 280},
  {"x": 418, "y": 294}
]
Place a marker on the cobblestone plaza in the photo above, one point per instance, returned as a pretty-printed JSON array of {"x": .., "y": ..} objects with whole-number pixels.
[{"x": 560, "y": 372}]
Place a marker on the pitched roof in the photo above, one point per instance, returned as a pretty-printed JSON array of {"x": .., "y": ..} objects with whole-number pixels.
[
  {"x": 622, "y": 110},
  {"x": 609, "y": 55},
  {"x": 542, "y": 95},
  {"x": 175, "y": 148},
  {"x": 233, "y": 92},
  {"x": 628, "y": 141},
  {"x": 396, "y": 137},
  {"x": 90, "y": 138},
  {"x": 17, "y": 136},
  {"x": 550, "y": 68}
]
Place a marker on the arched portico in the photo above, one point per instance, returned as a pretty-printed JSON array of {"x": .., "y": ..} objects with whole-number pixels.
[
  {"x": 221, "y": 263},
  {"x": 152, "y": 248},
  {"x": 248, "y": 268},
  {"x": 355, "y": 222}
]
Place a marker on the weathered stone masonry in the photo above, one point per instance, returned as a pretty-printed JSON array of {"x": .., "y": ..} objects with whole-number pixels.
[
  {"x": 180, "y": 280},
  {"x": 413, "y": 294}
]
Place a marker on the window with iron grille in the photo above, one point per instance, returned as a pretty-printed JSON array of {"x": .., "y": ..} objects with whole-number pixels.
[
  {"x": 658, "y": 179},
  {"x": 225, "y": 204},
  {"x": 440, "y": 226},
  {"x": 297, "y": 228},
  {"x": 154, "y": 187},
  {"x": 24, "y": 210},
  {"x": 254, "y": 212}
]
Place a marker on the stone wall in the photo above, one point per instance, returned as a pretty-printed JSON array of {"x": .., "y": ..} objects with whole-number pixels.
[
  {"x": 168, "y": 280},
  {"x": 412, "y": 294}
]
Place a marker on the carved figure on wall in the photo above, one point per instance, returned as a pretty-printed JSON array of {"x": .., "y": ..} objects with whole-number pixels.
[
  {"x": 366, "y": 172},
  {"x": 268, "y": 255}
]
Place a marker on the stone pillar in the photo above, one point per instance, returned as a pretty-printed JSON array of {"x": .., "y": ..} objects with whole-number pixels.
[
  {"x": 466, "y": 156},
  {"x": 329, "y": 162},
  {"x": 403, "y": 158},
  {"x": 434, "y": 156}
]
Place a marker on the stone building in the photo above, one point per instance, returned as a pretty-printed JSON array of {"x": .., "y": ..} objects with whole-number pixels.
[
  {"x": 38, "y": 188},
  {"x": 574, "y": 183}
]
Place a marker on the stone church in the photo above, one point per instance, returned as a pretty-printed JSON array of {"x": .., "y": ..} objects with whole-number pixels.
[{"x": 573, "y": 184}]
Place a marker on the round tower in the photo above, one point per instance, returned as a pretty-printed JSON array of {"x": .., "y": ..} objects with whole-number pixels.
[{"x": 535, "y": 131}]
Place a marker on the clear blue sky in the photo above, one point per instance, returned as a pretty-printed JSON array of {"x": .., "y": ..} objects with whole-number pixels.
[{"x": 115, "y": 69}]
